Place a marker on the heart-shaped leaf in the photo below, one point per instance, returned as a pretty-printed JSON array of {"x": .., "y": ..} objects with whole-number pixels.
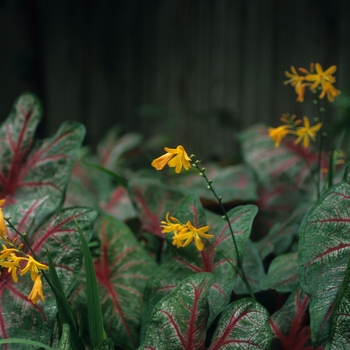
[
  {"x": 244, "y": 324},
  {"x": 323, "y": 253},
  {"x": 181, "y": 263},
  {"x": 122, "y": 271},
  {"x": 283, "y": 274},
  {"x": 60, "y": 236},
  {"x": 290, "y": 326},
  {"x": 339, "y": 333},
  {"x": 253, "y": 268},
  {"x": 152, "y": 201},
  {"x": 27, "y": 172},
  {"x": 179, "y": 320},
  {"x": 233, "y": 183}
]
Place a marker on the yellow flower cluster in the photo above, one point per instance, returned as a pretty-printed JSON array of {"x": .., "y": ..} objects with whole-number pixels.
[
  {"x": 9, "y": 259},
  {"x": 304, "y": 133},
  {"x": 319, "y": 79},
  {"x": 184, "y": 234},
  {"x": 175, "y": 157}
]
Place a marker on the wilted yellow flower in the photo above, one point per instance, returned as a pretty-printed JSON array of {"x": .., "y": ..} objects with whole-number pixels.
[
  {"x": 325, "y": 79},
  {"x": 175, "y": 157},
  {"x": 277, "y": 134},
  {"x": 297, "y": 81},
  {"x": 3, "y": 227},
  {"x": 305, "y": 132},
  {"x": 196, "y": 234},
  {"x": 33, "y": 266},
  {"x": 37, "y": 291}
]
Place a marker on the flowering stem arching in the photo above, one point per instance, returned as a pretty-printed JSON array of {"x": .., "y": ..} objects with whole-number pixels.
[
  {"x": 226, "y": 218},
  {"x": 320, "y": 110}
]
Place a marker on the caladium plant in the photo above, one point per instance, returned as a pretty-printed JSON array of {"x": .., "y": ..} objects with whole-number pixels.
[{"x": 249, "y": 256}]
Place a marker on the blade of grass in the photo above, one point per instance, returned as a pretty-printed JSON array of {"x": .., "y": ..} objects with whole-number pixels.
[
  {"x": 65, "y": 312},
  {"x": 120, "y": 180},
  {"x": 27, "y": 342},
  {"x": 95, "y": 321}
]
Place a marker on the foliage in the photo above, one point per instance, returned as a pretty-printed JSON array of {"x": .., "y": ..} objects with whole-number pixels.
[{"x": 248, "y": 256}]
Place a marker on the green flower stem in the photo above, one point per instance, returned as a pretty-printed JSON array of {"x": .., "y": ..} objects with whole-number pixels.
[
  {"x": 25, "y": 239},
  {"x": 240, "y": 271},
  {"x": 320, "y": 110},
  {"x": 226, "y": 218}
]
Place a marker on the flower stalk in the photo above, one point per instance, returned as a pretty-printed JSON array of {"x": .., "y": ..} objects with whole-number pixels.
[{"x": 227, "y": 219}]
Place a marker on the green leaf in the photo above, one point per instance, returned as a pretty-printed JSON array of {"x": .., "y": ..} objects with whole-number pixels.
[
  {"x": 283, "y": 274},
  {"x": 152, "y": 201},
  {"x": 64, "y": 341},
  {"x": 120, "y": 180},
  {"x": 96, "y": 330},
  {"x": 107, "y": 344},
  {"x": 122, "y": 271},
  {"x": 233, "y": 183},
  {"x": 290, "y": 325},
  {"x": 25, "y": 342},
  {"x": 253, "y": 268},
  {"x": 64, "y": 309},
  {"x": 323, "y": 254},
  {"x": 244, "y": 324},
  {"x": 59, "y": 235},
  {"x": 339, "y": 337},
  {"x": 179, "y": 320},
  {"x": 183, "y": 262}
]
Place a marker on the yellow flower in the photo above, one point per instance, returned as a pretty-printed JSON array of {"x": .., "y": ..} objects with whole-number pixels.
[
  {"x": 175, "y": 227},
  {"x": 196, "y": 234},
  {"x": 12, "y": 263},
  {"x": 277, "y": 134},
  {"x": 37, "y": 291},
  {"x": 305, "y": 132},
  {"x": 330, "y": 90},
  {"x": 34, "y": 267},
  {"x": 3, "y": 227},
  {"x": 325, "y": 79},
  {"x": 297, "y": 81},
  {"x": 175, "y": 157},
  {"x": 5, "y": 252}
]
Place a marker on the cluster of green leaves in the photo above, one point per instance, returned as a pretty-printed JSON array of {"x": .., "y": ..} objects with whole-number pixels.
[{"x": 138, "y": 291}]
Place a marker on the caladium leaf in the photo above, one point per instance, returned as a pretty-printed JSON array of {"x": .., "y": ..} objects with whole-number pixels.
[
  {"x": 152, "y": 201},
  {"x": 91, "y": 187},
  {"x": 323, "y": 253},
  {"x": 234, "y": 183},
  {"x": 27, "y": 172},
  {"x": 60, "y": 236},
  {"x": 111, "y": 148},
  {"x": 339, "y": 332},
  {"x": 290, "y": 325},
  {"x": 286, "y": 163},
  {"x": 253, "y": 268},
  {"x": 17, "y": 137},
  {"x": 283, "y": 274},
  {"x": 183, "y": 262},
  {"x": 179, "y": 320},
  {"x": 244, "y": 324},
  {"x": 122, "y": 271}
]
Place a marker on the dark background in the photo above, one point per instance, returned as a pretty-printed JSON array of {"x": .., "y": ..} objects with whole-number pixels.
[{"x": 197, "y": 70}]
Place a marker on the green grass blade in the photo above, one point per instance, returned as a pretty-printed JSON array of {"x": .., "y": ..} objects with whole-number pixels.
[
  {"x": 64, "y": 310},
  {"x": 27, "y": 342},
  {"x": 95, "y": 321},
  {"x": 120, "y": 180}
]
